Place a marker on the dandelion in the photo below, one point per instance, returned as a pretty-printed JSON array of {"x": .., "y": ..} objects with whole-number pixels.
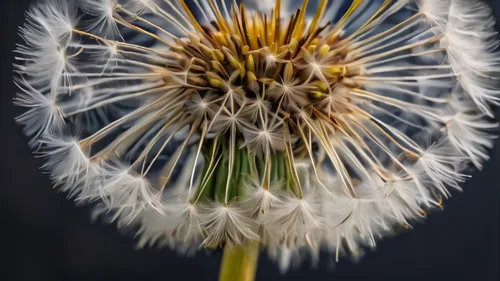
[{"x": 289, "y": 126}]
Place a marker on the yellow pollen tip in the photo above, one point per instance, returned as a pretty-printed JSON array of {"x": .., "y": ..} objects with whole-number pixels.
[
  {"x": 315, "y": 95},
  {"x": 250, "y": 63},
  {"x": 216, "y": 83},
  {"x": 324, "y": 50},
  {"x": 288, "y": 73},
  {"x": 321, "y": 85},
  {"x": 220, "y": 38}
]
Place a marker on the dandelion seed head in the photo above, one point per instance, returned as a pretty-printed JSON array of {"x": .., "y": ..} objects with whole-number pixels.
[{"x": 302, "y": 125}]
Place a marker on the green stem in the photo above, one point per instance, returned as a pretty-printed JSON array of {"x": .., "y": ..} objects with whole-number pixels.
[{"x": 239, "y": 263}]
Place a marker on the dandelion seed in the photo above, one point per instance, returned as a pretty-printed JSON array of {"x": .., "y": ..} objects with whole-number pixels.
[{"x": 294, "y": 125}]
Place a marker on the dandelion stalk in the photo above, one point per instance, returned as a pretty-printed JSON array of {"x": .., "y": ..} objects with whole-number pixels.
[{"x": 240, "y": 262}]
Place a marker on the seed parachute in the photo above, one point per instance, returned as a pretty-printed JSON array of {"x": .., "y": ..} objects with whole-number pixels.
[{"x": 303, "y": 126}]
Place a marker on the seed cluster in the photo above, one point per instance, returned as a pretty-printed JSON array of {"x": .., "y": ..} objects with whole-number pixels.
[
  {"x": 290, "y": 127},
  {"x": 253, "y": 80}
]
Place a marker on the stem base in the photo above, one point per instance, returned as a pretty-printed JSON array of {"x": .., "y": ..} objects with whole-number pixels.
[{"x": 239, "y": 263}]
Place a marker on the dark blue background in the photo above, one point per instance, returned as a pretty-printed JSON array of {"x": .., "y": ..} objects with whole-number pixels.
[{"x": 44, "y": 237}]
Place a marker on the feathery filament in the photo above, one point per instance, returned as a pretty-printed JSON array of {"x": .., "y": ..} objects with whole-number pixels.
[{"x": 304, "y": 126}]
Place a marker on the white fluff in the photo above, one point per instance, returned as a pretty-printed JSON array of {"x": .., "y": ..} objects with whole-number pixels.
[
  {"x": 154, "y": 230},
  {"x": 285, "y": 257},
  {"x": 258, "y": 201},
  {"x": 177, "y": 229},
  {"x": 177, "y": 225},
  {"x": 363, "y": 220},
  {"x": 226, "y": 224},
  {"x": 348, "y": 118},
  {"x": 439, "y": 166},
  {"x": 401, "y": 202},
  {"x": 70, "y": 168},
  {"x": 293, "y": 221},
  {"x": 472, "y": 44},
  {"x": 358, "y": 220},
  {"x": 139, "y": 6},
  {"x": 436, "y": 12},
  {"x": 43, "y": 115},
  {"x": 126, "y": 193},
  {"x": 45, "y": 58},
  {"x": 103, "y": 24},
  {"x": 50, "y": 23},
  {"x": 266, "y": 137},
  {"x": 470, "y": 132},
  {"x": 201, "y": 106}
]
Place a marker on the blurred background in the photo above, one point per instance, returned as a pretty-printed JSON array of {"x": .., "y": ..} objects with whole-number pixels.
[{"x": 44, "y": 237}]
